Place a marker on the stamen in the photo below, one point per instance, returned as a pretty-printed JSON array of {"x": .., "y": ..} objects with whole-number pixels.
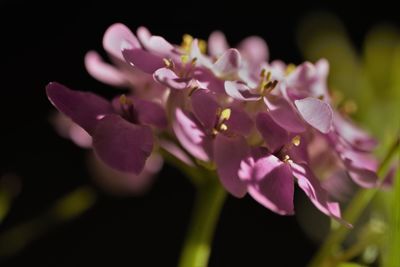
[
  {"x": 268, "y": 77},
  {"x": 263, "y": 72},
  {"x": 168, "y": 63},
  {"x": 184, "y": 58},
  {"x": 124, "y": 100},
  {"x": 202, "y": 46},
  {"x": 187, "y": 40},
  {"x": 290, "y": 68},
  {"x": 223, "y": 127},
  {"x": 296, "y": 140},
  {"x": 287, "y": 159},
  {"x": 225, "y": 114}
]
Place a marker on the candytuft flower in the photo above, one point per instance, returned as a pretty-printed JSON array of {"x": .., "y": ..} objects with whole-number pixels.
[{"x": 258, "y": 125}]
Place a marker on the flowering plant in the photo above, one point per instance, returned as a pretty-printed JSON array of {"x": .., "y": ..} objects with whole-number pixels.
[{"x": 228, "y": 117}]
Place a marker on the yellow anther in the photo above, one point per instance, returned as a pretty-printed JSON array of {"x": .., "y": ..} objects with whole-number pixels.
[
  {"x": 286, "y": 158},
  {"x": 290, "y": 68},
  {"x": 168, "y": 63},
  {"x": 187, "y": 40},
  {"x": 124, "y": 100},
  {"x": 202, "y": 46},
  {"x": 268, "y": 76},
  {"x": 194, "y": 60},
  {"x": 184, "y": 59},
  {"x": 296, "y": 140},
  {"x": 223, "y": 127},
  {"x": 225, "y": 114},
  {"x": 262, "y": 73},
  {"x": 321, "y": 97}
]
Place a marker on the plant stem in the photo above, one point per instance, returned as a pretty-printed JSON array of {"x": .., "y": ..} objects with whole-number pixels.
[
  {"x": 326, "y": 254},
  {"x": 208, "y": 204}
]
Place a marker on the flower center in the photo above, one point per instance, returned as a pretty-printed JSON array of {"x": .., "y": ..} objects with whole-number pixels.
[{"x": 266, "y": 85}]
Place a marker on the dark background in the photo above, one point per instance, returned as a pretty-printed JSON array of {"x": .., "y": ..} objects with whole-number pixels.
[{"x": 46, "y": 42}]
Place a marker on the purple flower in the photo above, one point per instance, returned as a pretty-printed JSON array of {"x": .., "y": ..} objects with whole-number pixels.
[{"x": 121, "y": 130}]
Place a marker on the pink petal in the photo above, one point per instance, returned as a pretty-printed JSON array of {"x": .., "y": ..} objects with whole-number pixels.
[
  {"x": 176, "y": 151},
  {"x": 284, "y": 114},
  {"x": 205, "y": 108},
  {"x": 150, "y": 113},
  {"x": 168, "y": 78},
  {"x": 122, "y": 145},
  {"x": 275, "y": 137},
  {"x": 353, "y": 135},
  {"x": 269, "y": 182},
  {"x": 103, "y": 71},
  {"x": 228, "y": 153},
  {"x": 254, "y": 50},
  {"x": 313, "y": 189},
  {"x": 240, "y": 91},
  {"x": 83, "y": 108},
  {"x": 191, "y": 135},
  {"x": 239, "y": 122},
  {"x": 217, "y": 44},
  {"x": 143, "y": 60},
  {"x": 316, "y": 112},
  {"x": 114, "y": 36},
  {"x": 228, "y": 64}
]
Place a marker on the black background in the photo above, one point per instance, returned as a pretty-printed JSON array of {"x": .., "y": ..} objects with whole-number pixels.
[{"x": 42, "y": 42}]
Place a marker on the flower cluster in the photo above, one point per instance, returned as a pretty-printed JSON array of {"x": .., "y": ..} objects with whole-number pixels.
[{"x": 262, "y": 126}]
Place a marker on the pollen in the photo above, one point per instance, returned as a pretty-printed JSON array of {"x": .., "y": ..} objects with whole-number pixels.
[
  {"x": 168, "y": 63},
  {"x": 296, "y": 140},
  {"x": 124, "y": 100},
  {"x": 287, "y": 159},
  {"x": 202, "y": 46},
  {"x": 187, "y": 40},
  {"x": 290, "y": 68},
  {"x": 225, "y": 114}
]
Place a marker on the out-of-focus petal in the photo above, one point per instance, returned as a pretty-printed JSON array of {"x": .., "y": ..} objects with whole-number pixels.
[
  {"x": 254, "y": 50},
  {"x": 269, "y": 182},
  {"x": 176, "y": 151},
  {"x": 240, "y": 91},
  {"x": 114, "y": 36},
  {"x": 84, "y": 108},
  {"x": 228, "y": 154},
  {"x": 217, "y": 44},
  {"x": 228, "y": 64},
  {"x": 122, "y": 145},
  {"x": 168, "y": 78},
  {"x": 284, "y": 114},
  {"x": 103, "y": 71},
  {"x": 316, "y": 112}
]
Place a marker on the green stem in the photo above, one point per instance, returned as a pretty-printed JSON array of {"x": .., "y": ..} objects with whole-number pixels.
[
  {"x": 330, "y": 248},
  {"x": 209, "y": 201}
]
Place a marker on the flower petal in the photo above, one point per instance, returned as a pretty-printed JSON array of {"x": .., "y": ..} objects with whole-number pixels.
[
  {"x": 275, "y": 136},
  {"x": 269, "y": 182},
  {"x": 228, "y": 153},
  {"x": 191, "y": 135},
  {"x": 239, "y": 122},
  {"x": 83, "y": 108},
  {"x": 114, "y": 36},
  {"x": 141, "y": 59},
  {"x": 103, "y": 71},
  {"x": 217, "y": 44},
  {"x": 205, "y": 108},
  {"x": 150, "y": 113},
  {"x": 254, "y": 50},
  {"x": 122, "y": 145},
  {"x": 240, "y": 91},
  {"x": 313, "y": 189},
  {"x": 228, "y": 64},
  {"x": 316, "y": 112},
  {"x": 356, "y": 137},
  {"x": 284, "y": 114},
  {"x": 168, "y": 78}
]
